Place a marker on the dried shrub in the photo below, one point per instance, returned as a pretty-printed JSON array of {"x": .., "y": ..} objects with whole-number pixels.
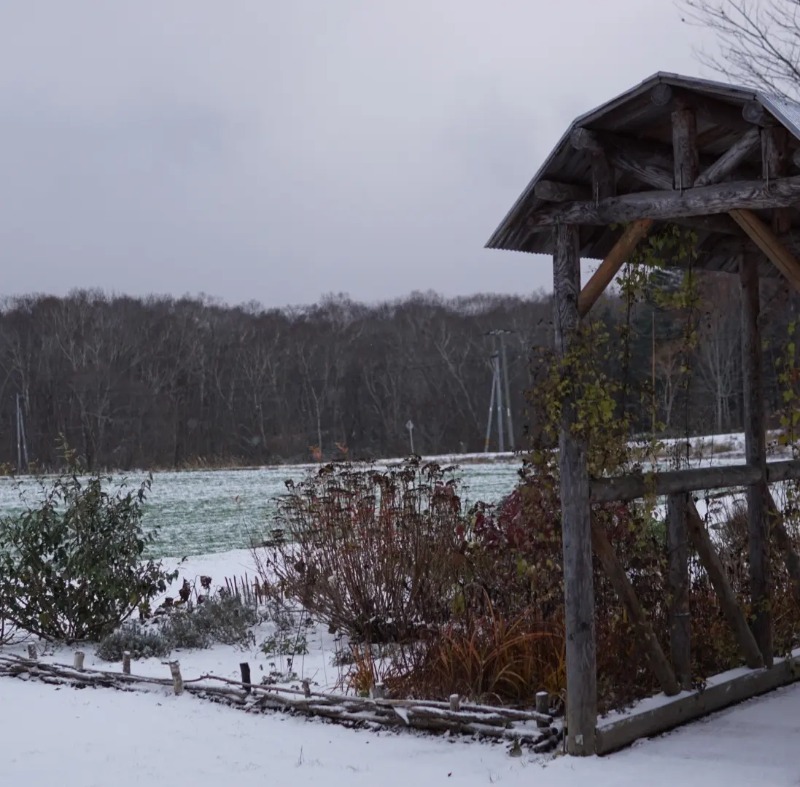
[
  {"x": 142, "y": 642},
  {"x": 222, "y": 618},
  {"x": 373, "y": 553}
]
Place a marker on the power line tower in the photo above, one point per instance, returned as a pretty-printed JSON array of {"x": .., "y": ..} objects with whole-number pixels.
[{"x": 499, "y": 393}]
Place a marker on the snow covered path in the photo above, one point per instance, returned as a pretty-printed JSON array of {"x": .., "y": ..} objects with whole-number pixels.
[{"x": 101, "y": 737}]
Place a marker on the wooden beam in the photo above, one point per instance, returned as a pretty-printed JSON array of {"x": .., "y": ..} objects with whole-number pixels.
[
  {"x": 637, "y": 485},
  {"x": 756, "y": 455},
  {"x": 680, "y": 626},
  {"x": 667, "y": 205},
  {"x": 769, "y": 243},
  {"x": 684, "y": 148},
  {"x": 610, "y": 266},
  {"x": 581, "y": 653},
  {"x": 661, "y": 95},
  {"x": 554, "y": 191},
  {"x": 775, "y": 164},
  {"x": 657, "y": 661},
  {"x": 646, "y": 162},
  {"x": 731, "y": 158},
  {"x": 754, "y": 112},
  {"x": 700, "y": 540}
]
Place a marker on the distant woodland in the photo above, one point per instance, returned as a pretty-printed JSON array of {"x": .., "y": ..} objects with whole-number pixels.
[{"x": 163, "y": 382}]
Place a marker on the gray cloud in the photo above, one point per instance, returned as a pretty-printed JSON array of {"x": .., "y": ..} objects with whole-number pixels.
[{"x": 277, "y": 151}]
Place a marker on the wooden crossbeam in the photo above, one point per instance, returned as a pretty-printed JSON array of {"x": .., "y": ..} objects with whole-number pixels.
[
  {"x": 610, "y": 266},
  {"x": 731, "y": 158},
  {"x": 638, "y": 485},
  {"x": 554, "y": 191},
  {"x": 769, "y": 243},
  {"x": 671, "y": 204}
]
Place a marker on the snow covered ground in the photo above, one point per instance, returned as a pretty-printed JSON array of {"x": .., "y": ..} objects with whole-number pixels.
[{"x": 101, "y": 737}]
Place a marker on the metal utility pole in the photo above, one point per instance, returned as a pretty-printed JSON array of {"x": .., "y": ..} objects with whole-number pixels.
[
  {"x": 22, "y": 443},
  {"x": 499, "y": 360}
]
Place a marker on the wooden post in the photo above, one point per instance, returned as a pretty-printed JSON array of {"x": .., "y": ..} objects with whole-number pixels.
[
  {"x": 784, "y": 541},
  {"x": 78, "y": 660},
  {"x": 542, "y": 706},
  {"x": 656, "y": 659},
  {"x": 32, "y": 654},
  {"x": 455, "y": 702},
  {"x": 306, "y": 688},
  {"x": 244, "y": 669},
  {"x": 756, "y": 456},
  {"x": 727, "y": 598},
  {"x": 680, "y": 622},
  {"x": 684, "y": 148},
  {"x": 177, "y": 680},
  {"x": 581, "y": 711},
  {"x": 126, "y": 662},
  {"x": 775, "y": 164}
]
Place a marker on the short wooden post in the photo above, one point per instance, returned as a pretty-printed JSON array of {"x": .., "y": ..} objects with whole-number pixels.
[
  {"x": 378, "y": 691},
  {"x": 680, "y": 627},
  {"x": 455, "y": 702},
  {"x": 581, "y": 710},
  {"x": 32, "y": 654},
  {"x": 306, "y": 688},
  {"x": 727, "y": 598},
  {"x": 77, "y": 662},
  {"x": 177, "y": 680},
  {"x": 126, "y": 662},
  {"x": 244, "y": 669},
  {"x": 656, "y": 660},
  {"x": 542, "y": 706},
  {"x": 756, "y": 455}
]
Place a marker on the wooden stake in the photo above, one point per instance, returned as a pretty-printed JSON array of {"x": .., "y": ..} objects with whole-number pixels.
[
  {"x": 756, "y": 456},
  {"x": 622, "y": 585},
  {"x": 244, "y": 669},
  {"x": 32, "y": 654},
  {"x": 542, "y": 706},
  {"x": 455, "y": 702},
  {"x": 699, "y": 538},
  {"x": 581, "y": 647},
  {"x": 680, "y": 621},
  {"x": 78, "y": 660},
  {"x": 177, "y": 680},
  {"x": 126, "y": 663}
]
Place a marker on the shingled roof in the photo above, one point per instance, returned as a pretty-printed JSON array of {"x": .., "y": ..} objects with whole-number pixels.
[{"x": 634, "y": 135}]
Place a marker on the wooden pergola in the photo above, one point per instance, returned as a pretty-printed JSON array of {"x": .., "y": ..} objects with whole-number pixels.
[{"x": 724, "y": 161}]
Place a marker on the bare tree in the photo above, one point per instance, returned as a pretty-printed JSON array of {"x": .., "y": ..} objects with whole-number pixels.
[{"x": 759, "y": 41}]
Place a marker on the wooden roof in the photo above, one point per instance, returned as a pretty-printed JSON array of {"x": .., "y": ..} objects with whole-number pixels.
[{"x": 620, "y": 163}]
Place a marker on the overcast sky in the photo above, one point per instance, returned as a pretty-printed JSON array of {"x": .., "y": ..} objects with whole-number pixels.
[{"x": 277, "y": 151}]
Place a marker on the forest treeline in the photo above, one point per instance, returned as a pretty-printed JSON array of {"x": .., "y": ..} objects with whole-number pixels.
[{"x": 163, "y": 382}]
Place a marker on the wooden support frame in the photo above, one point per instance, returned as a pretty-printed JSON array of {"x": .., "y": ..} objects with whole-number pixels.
[
  {"x": 783, "y": 540},
  {"x": 670, "y": 204},
  {"x": 656, "y": 659},
  {"x": 680, "y": 627},
  {"x": 730, "y": 159},
  {"x": 684, "y": 146},
  {"x": 756, "y": 455},
  {"x": 700, "y": 540},
  {"x": 611, "y": 265},
  {"x": 581, "y": 705},
  {"x": 770, "y": 244}
]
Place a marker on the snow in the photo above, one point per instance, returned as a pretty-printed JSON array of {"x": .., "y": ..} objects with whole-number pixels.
[{"x": 88, "y": 737}]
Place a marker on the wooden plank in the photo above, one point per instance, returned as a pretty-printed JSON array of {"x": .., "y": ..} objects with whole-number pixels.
[
  {"x": 656, "y": 660},
  {"x": 731, "y": 158},
  {"x": 636, "y": 485},
  {"x": 754, "y": 112},
  {"x": 581, "y": 704},
  {"x": 770, "y": 244},
  {"x": 719, "y": 692},
  {"x": 553, "y": 191},
  {"x": 610, "y": 266},
  {"x": 670, "y": 204},
  {"x": 680, "y": 627},
  {"x": 700, "y": 540},
  {"x": 756, "y": 456},
  {"x": 684, "y": 148}
]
